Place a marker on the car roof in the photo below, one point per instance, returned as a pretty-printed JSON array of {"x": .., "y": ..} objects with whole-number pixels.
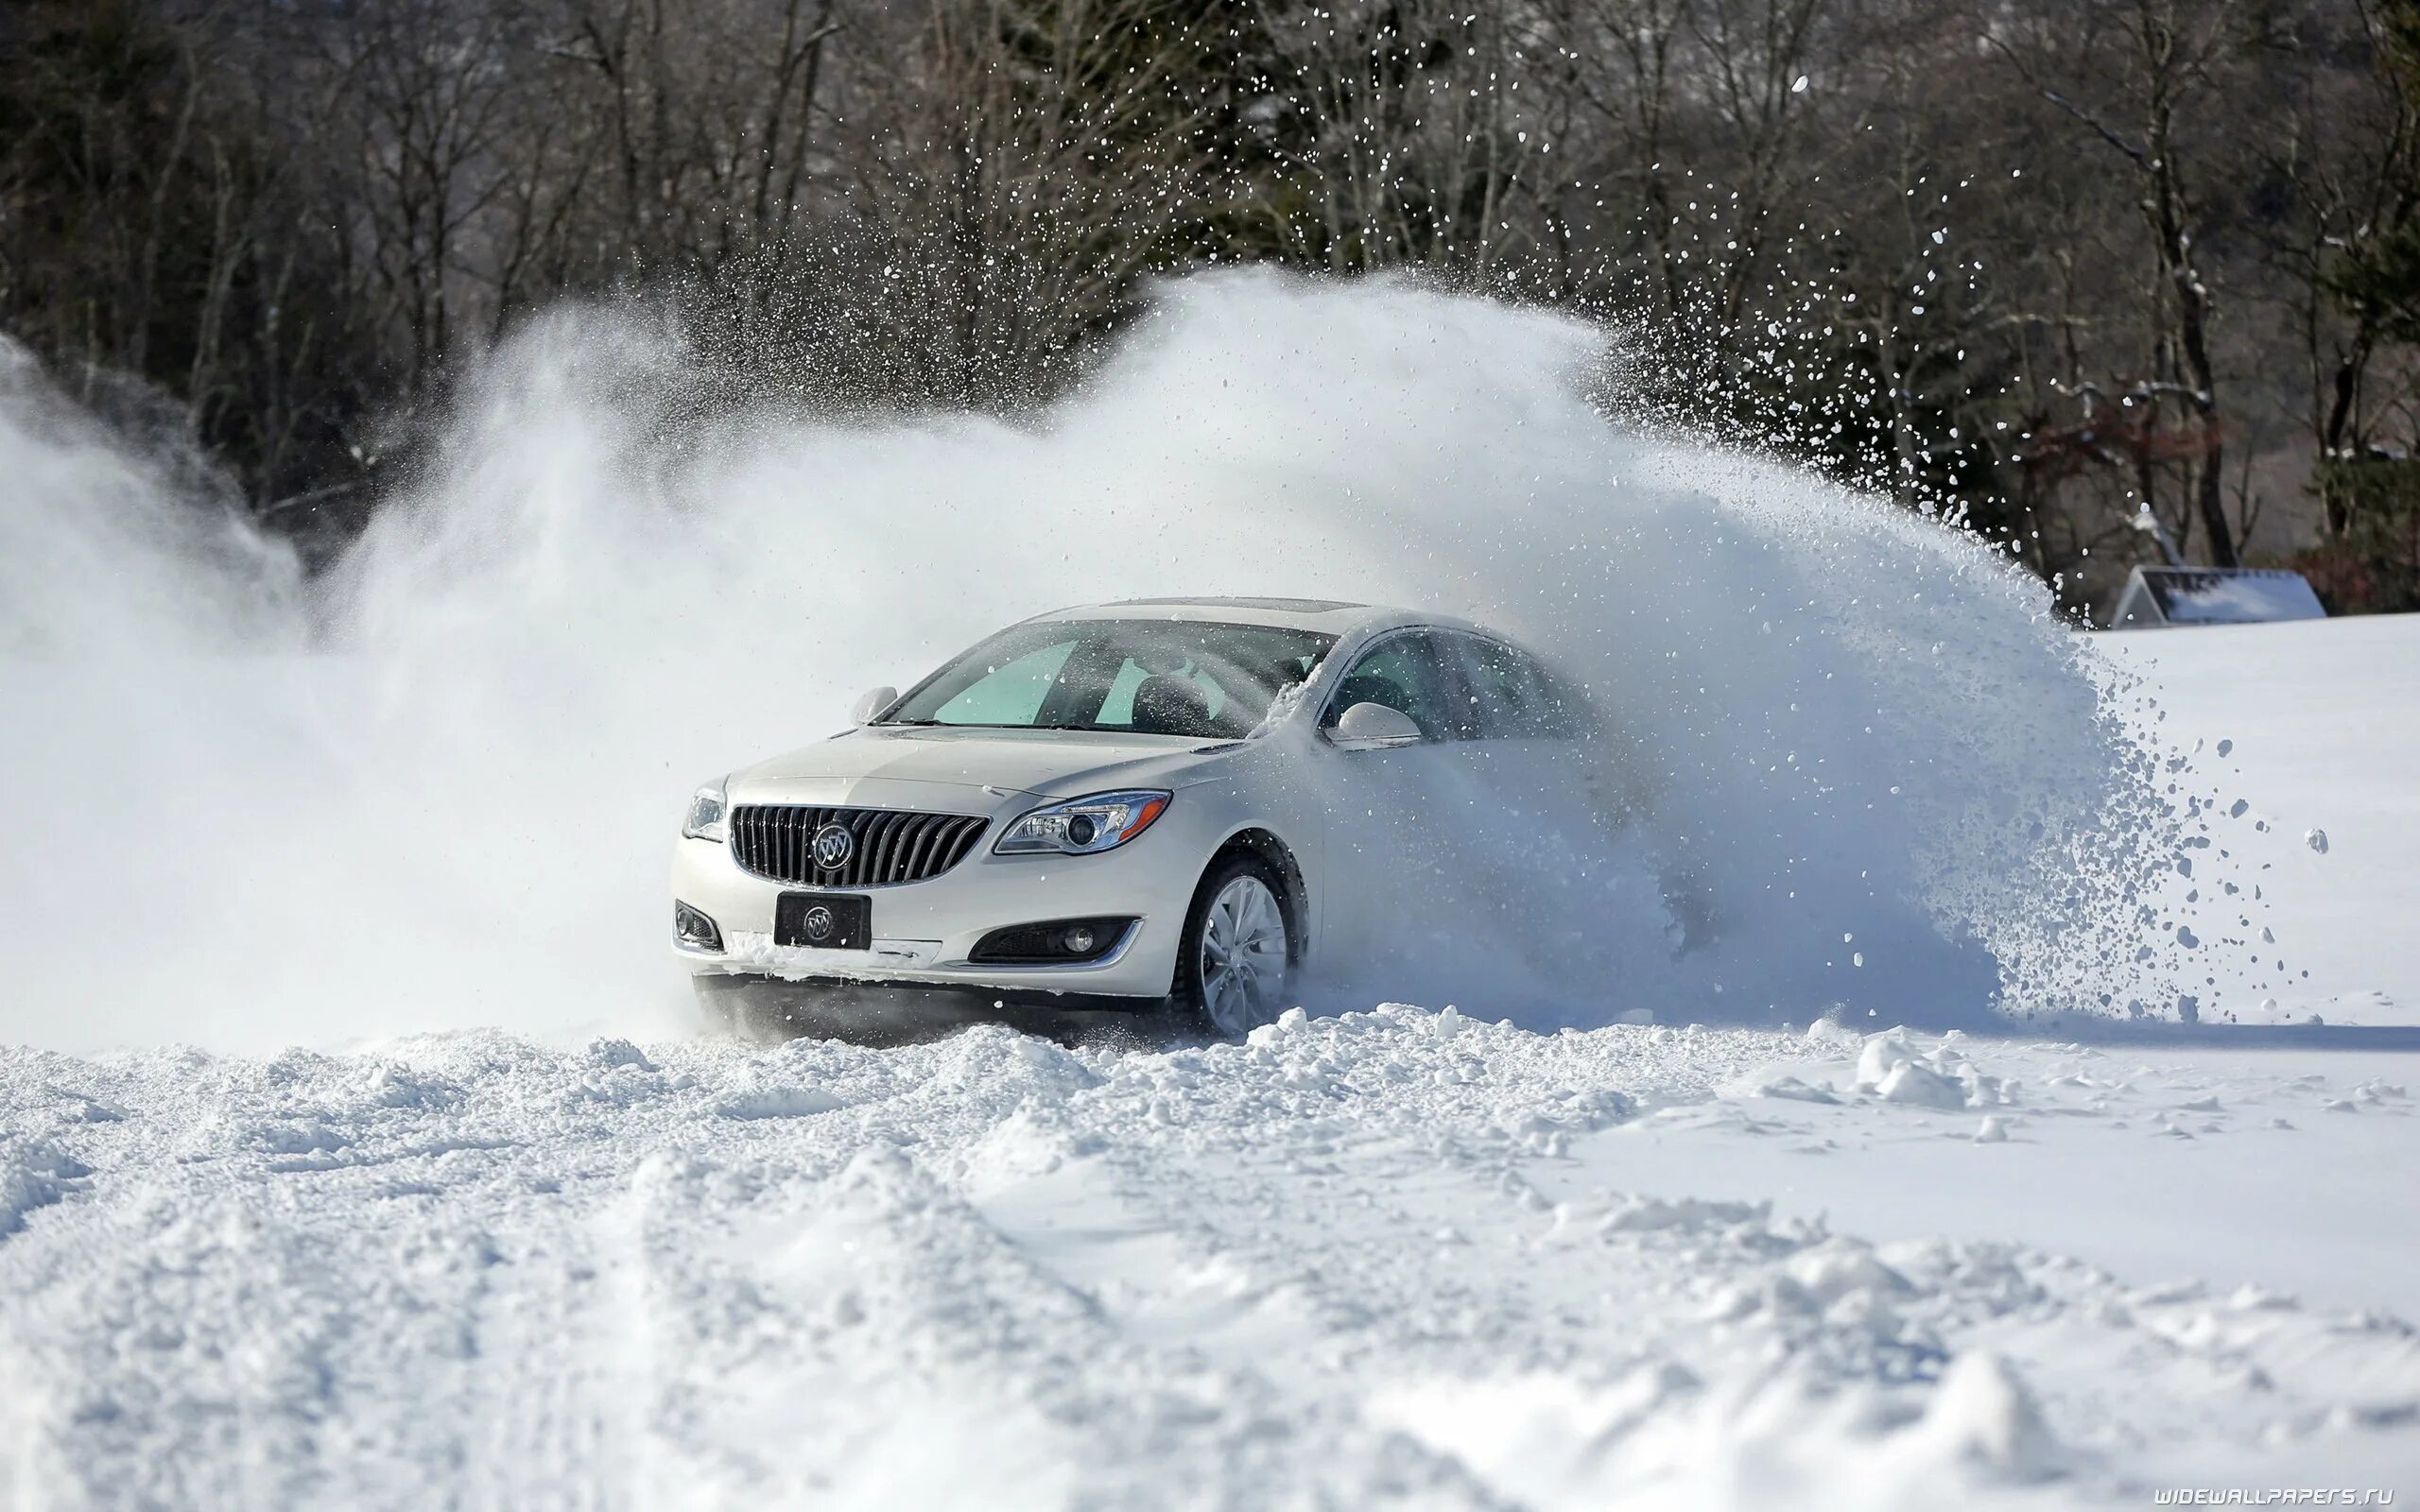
[{"x": 1329, "y": 615}]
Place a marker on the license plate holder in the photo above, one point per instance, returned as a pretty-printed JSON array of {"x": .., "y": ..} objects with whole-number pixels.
[{"x": 823, "y": 920}]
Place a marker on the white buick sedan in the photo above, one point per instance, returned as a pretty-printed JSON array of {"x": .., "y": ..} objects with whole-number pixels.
[{"x": 1128, "y": 807}]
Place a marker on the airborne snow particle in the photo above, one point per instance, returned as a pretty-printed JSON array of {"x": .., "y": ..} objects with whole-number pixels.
[{"x": 2316, "y": 839}]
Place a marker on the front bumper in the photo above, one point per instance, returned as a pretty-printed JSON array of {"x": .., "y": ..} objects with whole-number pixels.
[
  {"x": 883, "y": 1012},
  {"x": 923, "y": 931}
]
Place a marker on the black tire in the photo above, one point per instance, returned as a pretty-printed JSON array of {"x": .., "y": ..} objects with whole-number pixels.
[{"x": 1266, "y": 995}]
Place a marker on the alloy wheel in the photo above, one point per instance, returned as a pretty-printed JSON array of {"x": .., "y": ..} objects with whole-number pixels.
[{"x": 1244, "y": 955}]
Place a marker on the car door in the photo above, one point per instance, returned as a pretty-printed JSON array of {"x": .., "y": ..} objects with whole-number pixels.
[
  {"x": 1514, "y": 733},
  {"x": 1384, "y": 867},
  {"x": 1549, "y": 869}
]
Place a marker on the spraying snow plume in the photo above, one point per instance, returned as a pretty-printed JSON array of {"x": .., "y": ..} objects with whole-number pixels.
[{"x": 441, "y": 794}]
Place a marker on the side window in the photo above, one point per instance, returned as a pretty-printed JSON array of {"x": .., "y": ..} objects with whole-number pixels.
[
  {"x": 1405, "y": 672},
  {"x": 1009, "y": 693},
  {"x": 1511, "y": 697}
]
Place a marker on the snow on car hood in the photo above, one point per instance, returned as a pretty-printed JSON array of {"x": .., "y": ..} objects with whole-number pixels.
[{"x": 1047, "y": 763}]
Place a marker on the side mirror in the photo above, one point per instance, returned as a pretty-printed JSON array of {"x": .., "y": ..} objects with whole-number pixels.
[
  {"x": 872, "y": 703},
  {"x": 1375, "y": 726}
]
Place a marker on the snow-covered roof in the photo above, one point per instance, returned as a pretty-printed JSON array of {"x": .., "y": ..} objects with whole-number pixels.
[{"x": 2213, "y": 596}]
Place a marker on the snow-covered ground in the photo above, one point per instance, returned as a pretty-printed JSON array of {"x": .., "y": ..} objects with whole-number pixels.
[
  {"x": 2322, "y": 722},
  {"x": 1396, "y": 1256},
  {"x": 1403, "y": 1257}
]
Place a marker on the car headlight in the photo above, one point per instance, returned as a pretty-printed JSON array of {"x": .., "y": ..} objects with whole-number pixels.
[
  {"x": 1082, "y": 826},
  {"x": 707, "y": 812}
]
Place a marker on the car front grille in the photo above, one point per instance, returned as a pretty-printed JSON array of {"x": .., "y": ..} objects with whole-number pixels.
[{"x": 886, "y": 845}]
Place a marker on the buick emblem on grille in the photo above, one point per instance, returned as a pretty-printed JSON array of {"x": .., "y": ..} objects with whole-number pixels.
[
  {"x": 818, "y": 922},
  {"x": 833, "y": 844}
]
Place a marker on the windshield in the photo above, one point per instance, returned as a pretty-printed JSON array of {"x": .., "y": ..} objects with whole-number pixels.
[{"x": 1145, "y": 677}]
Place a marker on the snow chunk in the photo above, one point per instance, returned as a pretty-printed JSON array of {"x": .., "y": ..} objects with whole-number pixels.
[
  {"x": 1890, "y": 1067},
  {"x": 1908, "y": 1082},
  {"x": 1880, "y": 1055},
  {"x": 1289, "y": 1022},
  {"x": 1840, "y": 1267},
  {"x": 773, "y": 1100},
  {"x": 612, "y": 1054},
  {"x": 33, "y": 1174},
  {"x": 386, "y": 1085},
  {"x": 1981, "y": 1412},
  {"x": 1685, "y": 1212}
]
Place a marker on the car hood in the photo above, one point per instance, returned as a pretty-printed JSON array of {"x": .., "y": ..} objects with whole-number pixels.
[{"x": 1042, "y": 763}]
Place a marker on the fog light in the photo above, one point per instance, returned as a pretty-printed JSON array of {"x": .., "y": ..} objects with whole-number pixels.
[
  {"x": 694, "y": 930},
  {"x": 1051, "y": 942}
]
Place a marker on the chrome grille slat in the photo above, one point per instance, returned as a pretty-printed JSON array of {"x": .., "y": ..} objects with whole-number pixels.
[
  {"x": 888, "y": 861},
  {"x": 960, "y": 842},
  {"x": 921, "y": 855},
  {"x": 894, "y": 845},
  {"x": 932, "y": 846},
  {"x": 866, "y": 860},
  {"x": 882, "y": 842},
  {"x": 879, "y": 838},
  {"x": 940, "y": 842},
  {"x": 855, "y": 825}
]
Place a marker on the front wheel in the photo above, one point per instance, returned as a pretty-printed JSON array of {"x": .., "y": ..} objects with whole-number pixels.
[{"x": 1236, "y": 963}]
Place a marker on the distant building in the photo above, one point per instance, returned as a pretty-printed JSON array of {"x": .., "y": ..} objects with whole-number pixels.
[{"x": 2166, "y": 596}]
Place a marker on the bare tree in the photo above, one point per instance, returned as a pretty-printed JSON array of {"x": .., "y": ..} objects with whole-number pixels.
[{"x": 2129, "y": 74}]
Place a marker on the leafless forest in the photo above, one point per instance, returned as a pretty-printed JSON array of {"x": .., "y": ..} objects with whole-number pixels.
[{"x": 2042, "y": 260}]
